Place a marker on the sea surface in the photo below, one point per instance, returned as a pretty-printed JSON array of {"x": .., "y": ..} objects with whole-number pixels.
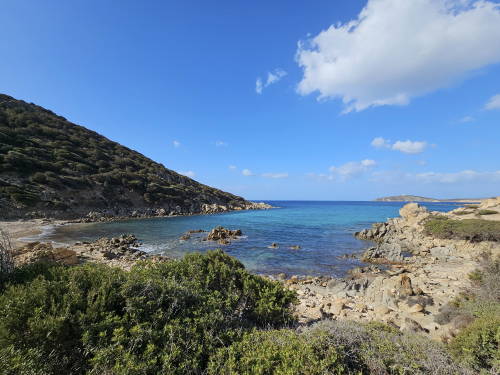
[{"x": 323, "y": 230}]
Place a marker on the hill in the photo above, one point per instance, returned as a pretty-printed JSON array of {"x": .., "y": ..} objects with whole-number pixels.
[
  {"x": 416, "y": 198},
  {"x": 50, "y": 167}
]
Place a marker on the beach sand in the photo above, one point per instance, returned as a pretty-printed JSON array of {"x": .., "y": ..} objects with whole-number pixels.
[{"x": 22, "y": 231}]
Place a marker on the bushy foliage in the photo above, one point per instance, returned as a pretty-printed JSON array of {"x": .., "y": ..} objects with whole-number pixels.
[
  {"x": 475, "y": 230},
  {"x": 166, "y": 317},
  {"x": 476, "y": 313},
  {"x": 478, "y": 344},
  {"x": 6, "y": 257},
  {"x": 40, "y": 152},
  {"x": 332, "y": 347},
  {"x": 281, "y": 352}
]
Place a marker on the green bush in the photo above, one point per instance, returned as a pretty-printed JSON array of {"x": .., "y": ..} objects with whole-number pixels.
[
  {"x": 469, "y": 229},
  {"x": 166, "y": 317},
  {"x": 280, "y": 352},
  {"x": 334, "y": 347},
  {"x": 477, "y": 345}
]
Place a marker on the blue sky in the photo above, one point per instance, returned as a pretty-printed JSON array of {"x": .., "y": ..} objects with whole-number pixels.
[{"x": 356, "y": 99}]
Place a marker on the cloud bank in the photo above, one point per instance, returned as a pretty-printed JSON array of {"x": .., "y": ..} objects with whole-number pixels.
[{"x": 396, "y": 50}]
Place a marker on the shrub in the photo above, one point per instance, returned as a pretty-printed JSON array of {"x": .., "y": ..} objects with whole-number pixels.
[
  {"x": 6, "y": 256},
  {"x": 477, "y": 345},
  {"x": 166, "y": 317},
  {"x": 469, "y": 229},
  {"x": 283, "y": 352},
  {"x": 334, "y": 347}
]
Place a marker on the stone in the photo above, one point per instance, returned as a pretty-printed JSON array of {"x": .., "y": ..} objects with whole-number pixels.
[
  {"x": 274, "y": 245},
  {"x": 223, "y": 235},
  {"x": 381, "y": 310},
  {"x": 405, "y": 289}
]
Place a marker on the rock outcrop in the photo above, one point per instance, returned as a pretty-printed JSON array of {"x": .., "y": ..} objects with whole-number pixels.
[
  {"x": 222, "y": 235},
  {"x": 420, "y": 275},
  {"x": 118, "y": 251}
]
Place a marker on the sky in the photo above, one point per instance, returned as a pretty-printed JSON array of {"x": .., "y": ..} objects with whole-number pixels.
[{"x": 322, "y": 100}]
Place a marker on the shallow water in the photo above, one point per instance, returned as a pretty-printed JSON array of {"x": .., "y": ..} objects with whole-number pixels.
[{"x": 323, "y": 230}]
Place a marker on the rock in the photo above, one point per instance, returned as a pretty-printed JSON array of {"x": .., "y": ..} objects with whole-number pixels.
[
  {"x": 185, "y": 237},
  {"x": 381, "y": 310},
  {"x": 274, "y": 245},
  {"x": 295, "y": 247},
  {"x": 223, "y": 235},
  {"x": 389, "y": 252},
  {"x": 411, "y": 325},
  {"x": 405, "y": 289},
  {"x": 442, "y": 251}
]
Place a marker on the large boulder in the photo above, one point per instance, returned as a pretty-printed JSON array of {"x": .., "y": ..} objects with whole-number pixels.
[{"x": 223, "y": 235}]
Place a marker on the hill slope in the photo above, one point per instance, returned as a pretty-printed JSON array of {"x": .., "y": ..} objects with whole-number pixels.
[{"x": 50, "y": 167}]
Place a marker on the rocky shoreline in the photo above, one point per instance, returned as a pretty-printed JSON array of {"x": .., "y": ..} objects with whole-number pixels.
[
  {"x": 409, "y": 277},
  {"x": 412, "y": 276}
]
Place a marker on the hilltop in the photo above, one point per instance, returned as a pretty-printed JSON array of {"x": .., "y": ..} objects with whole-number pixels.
[
  {"x": 416, "y": 198},
  {"x": 50, "y": 167}
]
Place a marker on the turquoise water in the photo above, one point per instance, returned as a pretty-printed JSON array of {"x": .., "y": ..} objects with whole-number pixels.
[{"x": 323, "y": 230}]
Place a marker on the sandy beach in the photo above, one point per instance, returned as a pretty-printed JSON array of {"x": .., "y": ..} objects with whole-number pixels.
[{"x": 23, "y": 231}]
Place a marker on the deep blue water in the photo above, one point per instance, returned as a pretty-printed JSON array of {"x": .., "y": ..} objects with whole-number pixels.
[{"x": 323, "y": 230}]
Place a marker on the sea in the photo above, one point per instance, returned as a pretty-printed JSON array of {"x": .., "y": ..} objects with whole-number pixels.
[{"x": 324, "y": 231}]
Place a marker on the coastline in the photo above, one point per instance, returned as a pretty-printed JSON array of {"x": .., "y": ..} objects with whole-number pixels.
[
  {"x": 406, "y": 279},
  {"x": 23, "y": 231}
]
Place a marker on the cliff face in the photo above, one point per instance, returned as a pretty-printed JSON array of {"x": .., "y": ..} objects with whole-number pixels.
[{"x": 50, "y": 167}]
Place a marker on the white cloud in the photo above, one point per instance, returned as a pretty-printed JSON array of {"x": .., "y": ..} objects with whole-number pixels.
[
  {"x": 350, "y": 169},
  {"x": 396, "y": 50},
  {"x": 466, "y": 119},
  {"x": 190, "y": 174},
  {"x": 232, "y": 167},
  {"x": 380, "y": 142},
  {"x": 258, "y": 86},
  {"x": 220, "y": 143},
  {"x": 410, "y": 147},
  {"x": 176, "y": 144},
  {"x": 493, "y": 103},
  {"x": 275, "y": 175},
  {"x": 272, "y": 77},
  {"x": 407, "y": 147},
  {"x": 246, "y": 172}
]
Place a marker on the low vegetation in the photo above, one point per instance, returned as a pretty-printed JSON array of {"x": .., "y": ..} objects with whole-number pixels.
[
  {"x": 159, "y": 318},
  {"x": 474, "y": 230},
  {"x": 476, "y": 314},
  {"x": 332, "y": 347},
  {"x": 203, "y": 314},
  {"x": 6, "y": 256}
]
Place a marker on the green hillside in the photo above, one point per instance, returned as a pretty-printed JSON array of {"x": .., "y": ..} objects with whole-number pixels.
[{"x": 50, "y": 167}]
